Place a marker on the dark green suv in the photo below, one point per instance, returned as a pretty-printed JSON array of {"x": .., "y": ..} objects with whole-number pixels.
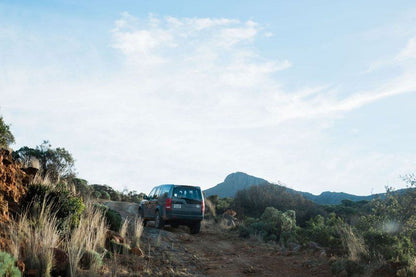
[{"x": 174, "y": 205}]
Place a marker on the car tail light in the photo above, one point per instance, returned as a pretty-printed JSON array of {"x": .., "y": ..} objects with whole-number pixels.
[
  {"x": 168, "y": 204},
  {"x": 203, "y": 206}
]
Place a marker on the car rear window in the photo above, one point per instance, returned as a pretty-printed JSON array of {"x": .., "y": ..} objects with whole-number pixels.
[{"x": 187, "y": 192}]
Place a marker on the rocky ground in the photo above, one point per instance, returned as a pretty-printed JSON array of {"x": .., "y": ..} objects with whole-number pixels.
[{"x": 214, "y": 252}]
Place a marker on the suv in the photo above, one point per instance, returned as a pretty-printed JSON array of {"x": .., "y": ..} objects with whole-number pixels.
[{"x": 174, "y": 205}]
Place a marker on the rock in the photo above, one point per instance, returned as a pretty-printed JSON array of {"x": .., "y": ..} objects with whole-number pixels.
[
  {"x": 21, "y": 266},
  {"x": 91, "y": 259},
  {"x": 314, "y": 246},
  {"x": 119, "y": 248},
  {"x": 229, "y": 217},
  {"x": 294, "y": 246},
  {"x": 30, "y": 170},
  {"x": 136, "y": 251},
  {"x": 111, "y": 235},
  {"x": 61, "y": 263},
  {"x": 13, "y": 184}
]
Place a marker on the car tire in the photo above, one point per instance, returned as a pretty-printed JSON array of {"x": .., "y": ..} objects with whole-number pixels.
[
  {"x": 141, "y": 214},
  {"x": 195, "y": 228},
  {"x": 159, "y": 221}
]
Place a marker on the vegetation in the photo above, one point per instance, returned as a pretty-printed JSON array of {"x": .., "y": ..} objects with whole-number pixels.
[
  {"x": 67, "y": 206},
  {"x": 6, "y": 136},
  {"x": 55, "y": 163},
  {"x": 255, "y": 199},
  {"x": 367, "y": 236},
  {"x": 7, "y": 265}
]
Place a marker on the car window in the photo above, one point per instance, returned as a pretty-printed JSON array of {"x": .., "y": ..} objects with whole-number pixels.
[
  {"x": 151, "y": 193},
  {"x": 156, "y": 193},
  {"x": 164, "y": 191},
  {"x": 187, "y": 192}
]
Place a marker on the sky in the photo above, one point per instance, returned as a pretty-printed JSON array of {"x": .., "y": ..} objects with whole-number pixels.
[{"x": 317, "y": 95}]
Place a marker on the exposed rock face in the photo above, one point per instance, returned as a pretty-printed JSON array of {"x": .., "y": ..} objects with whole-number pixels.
[{"x": 13, "y": 184}]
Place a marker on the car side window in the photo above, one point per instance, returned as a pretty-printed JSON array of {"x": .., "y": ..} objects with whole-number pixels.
[
  {"x": 164, "y": 191},
  {"x": 156, "y": 193},
  {"x": 151, "y": 193}
]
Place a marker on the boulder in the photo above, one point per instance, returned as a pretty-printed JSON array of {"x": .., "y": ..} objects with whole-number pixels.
[
  {"x": 136, "y": 251},
  {"x": 61, "y": 263}
]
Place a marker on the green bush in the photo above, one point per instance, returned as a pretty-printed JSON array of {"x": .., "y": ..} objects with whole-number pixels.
[
  {"x": 97, "y": 194},
  {"x": 112, "y": 217},
  {"x": 6, "y": 136},
  {"x": 254, "y": 200},
  {"x": 273, "y": 225},
  {"x": 67, "y": 206},
  {"x": 324, "y": 231},
  {"x": 7, "y": 266},
  {"x": 91, "y": 259},
  {"x": 105, "y": 195}
]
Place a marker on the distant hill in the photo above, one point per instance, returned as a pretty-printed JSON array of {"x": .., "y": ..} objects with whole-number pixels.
[
  {"x": 233, "y": 183},
  {"x": 239, "y": 180}
]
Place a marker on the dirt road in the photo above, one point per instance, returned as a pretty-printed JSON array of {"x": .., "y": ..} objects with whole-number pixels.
[{"x": 217, "y": 252}]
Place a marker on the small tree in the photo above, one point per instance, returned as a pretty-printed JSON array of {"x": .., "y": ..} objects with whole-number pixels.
[
  {"x": 6, "y": 136},
  {"x": 55, "y": 163}
]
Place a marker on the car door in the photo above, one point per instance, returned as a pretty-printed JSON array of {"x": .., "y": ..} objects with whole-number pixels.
[
  {"x": 153, "y": 202},
  {"x": 146, "y": 205}
]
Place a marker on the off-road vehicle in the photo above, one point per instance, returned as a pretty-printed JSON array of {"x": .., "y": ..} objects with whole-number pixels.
[{"x": 174, "y": 205}]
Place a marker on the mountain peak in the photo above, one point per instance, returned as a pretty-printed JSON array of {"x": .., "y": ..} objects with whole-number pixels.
[{"x": 234, "y": 182}]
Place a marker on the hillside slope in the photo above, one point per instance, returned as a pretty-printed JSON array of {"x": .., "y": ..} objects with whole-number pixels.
[
  {"x": 213, "y": 252},
  {"x": 233, "y": 183},
  {"x": 239, "y": 180}
]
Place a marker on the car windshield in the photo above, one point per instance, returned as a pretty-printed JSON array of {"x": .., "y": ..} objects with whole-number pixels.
[{"x": 187, "y": 193}]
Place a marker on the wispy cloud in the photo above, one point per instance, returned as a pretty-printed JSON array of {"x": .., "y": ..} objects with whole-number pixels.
[{"x": 188, "y": 100}]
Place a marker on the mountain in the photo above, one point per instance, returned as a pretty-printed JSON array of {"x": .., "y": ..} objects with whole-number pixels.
[
  {"x": 233, "y": 183},
  {"x": 239, "y": 180}
]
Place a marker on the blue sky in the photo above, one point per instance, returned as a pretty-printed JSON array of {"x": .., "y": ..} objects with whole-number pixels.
[{"x": 319, "y": 95}]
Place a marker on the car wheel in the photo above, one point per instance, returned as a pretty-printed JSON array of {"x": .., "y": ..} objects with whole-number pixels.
[
  {"x": 141, "y": 214},
  {"x": 158, "y": 221},
  {"x": 196, "y": 227}
]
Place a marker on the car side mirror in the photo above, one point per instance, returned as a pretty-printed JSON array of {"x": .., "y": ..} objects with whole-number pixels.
[{"x": 146, "y": 197}]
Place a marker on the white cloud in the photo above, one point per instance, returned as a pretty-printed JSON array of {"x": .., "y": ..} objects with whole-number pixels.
[
  {"x": 409, "y": 52},
  {"x": 191, "y": 100}
]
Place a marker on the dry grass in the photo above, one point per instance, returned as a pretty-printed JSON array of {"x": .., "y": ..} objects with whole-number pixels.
[
  {"x": 46, "y": 181},
  {"x": 137, "y": 231},
  {"x": 210, "y": 206},
  {"x": 89, "y": 235},
  {"x": 34, "y": 239},
  {"x": 353, "y": 243},
  {"x": 123, "y": 228}
]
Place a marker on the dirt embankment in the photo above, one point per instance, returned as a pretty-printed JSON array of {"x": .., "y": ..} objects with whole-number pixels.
[{"x": 217, "y": 252}]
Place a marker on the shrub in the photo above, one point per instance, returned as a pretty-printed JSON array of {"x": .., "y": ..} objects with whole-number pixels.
[
  {"x": 91, "y": 260},
  {"x": 326, "y": 232},
  {"x": 114, "y": 219},
  {"x": 105, "y": 195},
  {"x": 7, "y": 265},
  {"x": 137, "y": 232},
  {"x": 6, "y": 136},
  {"x": 88, "y": 236},
  {"x": 97, "y": 194},
  {"x": 254, "y": 200},
  {"x": 54, "y": 162},
  {"x": 273, "y": 225},
  {"x": 39, "y": 236},
  {"x": 119, "y": 248},
  {"x": 68, "y": 207}
]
